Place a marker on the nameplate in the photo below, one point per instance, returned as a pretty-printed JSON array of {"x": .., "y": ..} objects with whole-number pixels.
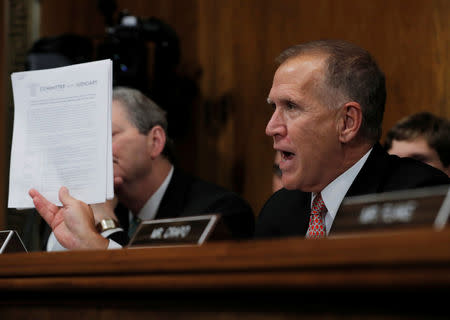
[
  {"x": 426, "y": 207},
  {"x": 193, "y": 230},
  {"x": 11, "y": 242}
]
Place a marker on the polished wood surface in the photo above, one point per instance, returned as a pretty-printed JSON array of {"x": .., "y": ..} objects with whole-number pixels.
[
  {"x": 243, "y": 264},
  {"x": 268, "y": 279}
]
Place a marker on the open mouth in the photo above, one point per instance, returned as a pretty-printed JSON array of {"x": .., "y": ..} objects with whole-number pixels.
[{"x": 285, "y": 155}]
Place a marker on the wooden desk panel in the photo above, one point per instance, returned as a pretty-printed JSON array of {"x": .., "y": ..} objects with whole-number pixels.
[{"x": 391, "y": 275}]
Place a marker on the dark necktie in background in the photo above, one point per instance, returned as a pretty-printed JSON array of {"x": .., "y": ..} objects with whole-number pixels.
[{"x": 134, "y": 223}]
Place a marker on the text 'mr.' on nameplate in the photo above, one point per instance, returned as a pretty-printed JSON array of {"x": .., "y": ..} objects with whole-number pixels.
[
  {"x": 424, "y": 207},
  {"x": 193, "y": 230}
]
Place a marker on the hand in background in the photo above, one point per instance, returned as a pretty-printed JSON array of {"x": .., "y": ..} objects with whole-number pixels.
[{"x": 73, "y": 224}]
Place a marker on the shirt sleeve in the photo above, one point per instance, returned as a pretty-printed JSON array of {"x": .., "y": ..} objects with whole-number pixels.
[
  {"x": 108, "y": 232},
  {"x": 113, "y": 245},
  {"x": 53, "y": 244}
]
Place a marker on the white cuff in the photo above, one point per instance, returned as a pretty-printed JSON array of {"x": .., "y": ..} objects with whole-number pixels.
[
  {"x": 113, "y": 245},
  {"x": 53, "y": 244},
  {"x": 106, "y": 233}
]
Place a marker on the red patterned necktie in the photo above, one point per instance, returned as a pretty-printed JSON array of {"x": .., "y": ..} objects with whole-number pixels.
[{"x": 316, "y": 220}]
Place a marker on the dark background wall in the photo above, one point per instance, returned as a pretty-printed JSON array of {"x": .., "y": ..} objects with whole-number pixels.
[{"x": 228, "y": 47}]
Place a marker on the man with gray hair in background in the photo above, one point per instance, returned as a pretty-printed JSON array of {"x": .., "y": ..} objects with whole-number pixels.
[{"x": 146, "y": 184}]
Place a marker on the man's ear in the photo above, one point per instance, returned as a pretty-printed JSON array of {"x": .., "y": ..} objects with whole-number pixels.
[
  {"x": 156, "y": 141},
  {"x": 350, "y": 121}
]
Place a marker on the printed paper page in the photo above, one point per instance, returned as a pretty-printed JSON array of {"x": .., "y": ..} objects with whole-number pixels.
[
  {"x": 61, "y": 133},
  {"x": 109, "y": 161}
]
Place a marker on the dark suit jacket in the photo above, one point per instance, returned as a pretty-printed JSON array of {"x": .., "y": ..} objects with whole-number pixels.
[
  {"x": 286, "y": 213},
  {"x": 186, "y": 196},
  {"x": 189, "y": 196}
]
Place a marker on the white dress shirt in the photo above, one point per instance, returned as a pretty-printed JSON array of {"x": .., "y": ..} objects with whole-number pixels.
[
  {"x": 334, "y": 193},
  {"x": 148, "y": 212}
]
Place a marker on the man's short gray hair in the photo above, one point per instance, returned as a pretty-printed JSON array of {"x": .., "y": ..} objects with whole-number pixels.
[
  {"x": 143, "y": 113},
  {"x": 352, "y": 73}
]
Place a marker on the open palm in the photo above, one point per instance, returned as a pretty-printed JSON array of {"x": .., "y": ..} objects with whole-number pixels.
[{"x": 73, "y": 224}]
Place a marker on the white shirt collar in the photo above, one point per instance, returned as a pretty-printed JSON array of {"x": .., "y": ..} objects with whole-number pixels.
[
  {"x": 149, "y": 210},
  {"x": 334, "y": 193}
]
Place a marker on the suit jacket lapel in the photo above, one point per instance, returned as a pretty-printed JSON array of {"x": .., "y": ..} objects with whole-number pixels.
[
  {"x": 122, "y": 213},
  {"x": 306, "y": 209},
  {"x": 370, "y": 178},
  {"x": 172, "y": 203}
]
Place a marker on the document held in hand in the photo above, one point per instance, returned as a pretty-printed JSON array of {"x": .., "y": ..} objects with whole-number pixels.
[{"x": 62, "y": 133}]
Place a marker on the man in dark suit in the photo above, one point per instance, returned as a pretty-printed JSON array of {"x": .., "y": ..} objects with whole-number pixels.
[
  {"x": 188, "y": 196},
  {"x": 146, "y": 184},
  {"x": 328, "y": 99}
]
